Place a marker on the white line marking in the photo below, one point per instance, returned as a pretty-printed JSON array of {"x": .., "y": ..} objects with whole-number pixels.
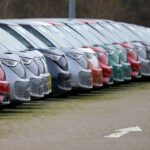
[{"x": 124, "y": 131}]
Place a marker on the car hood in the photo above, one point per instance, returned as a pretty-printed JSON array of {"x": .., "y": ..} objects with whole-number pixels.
[
  {"x": 127, "y": 45},
  {"x": 10, "y": 56},
  {"x": 87, "y": 50},
  {"x": 72, "y": 50},
  {"x": 55, "y": 51},
  {"x": 29, "y": 54}
]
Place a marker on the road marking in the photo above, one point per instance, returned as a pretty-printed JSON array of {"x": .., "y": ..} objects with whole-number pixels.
[{"x": 124, "y": 131}]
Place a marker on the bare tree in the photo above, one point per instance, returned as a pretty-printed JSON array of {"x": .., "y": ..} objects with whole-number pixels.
[
  {"x": 4, "y": 8},
  {"x": 122, "y": 10}
]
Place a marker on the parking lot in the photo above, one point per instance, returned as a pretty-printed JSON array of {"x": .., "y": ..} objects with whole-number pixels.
[{"x": 80, "y": 121}]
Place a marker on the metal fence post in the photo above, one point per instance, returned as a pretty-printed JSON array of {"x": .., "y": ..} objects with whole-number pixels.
[{"x": 72, "y": 9}]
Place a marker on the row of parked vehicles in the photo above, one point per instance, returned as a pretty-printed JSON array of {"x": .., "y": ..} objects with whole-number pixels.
[{"x": 40, "y": 57}]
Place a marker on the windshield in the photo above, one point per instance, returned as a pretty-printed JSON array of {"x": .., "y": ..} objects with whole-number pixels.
[
  {"x": 16, "y": 35},
  {"x": 81, "y": 30},
  {"x": 58, "y": 37},
  {"x": 144, "y": 33},
  {"x": 141, "y": 33},
  {"x": 29, "y": 37},
  {"x": 3, "y": 49},
  {"x": 74, "y": 34},
  {"x": 65, "y": 35},
  {"x": 10, "y": 42},
  {"x": 147, "y": 30},
  {"x": 46, "y": 34},
  {"x": 39, "y": 35},
  {"x": 112, "y": 37},
  {"x": 96, "y": 34},
  {"x": 128, "y": 34},
  {"x": 113, "y": 30}
]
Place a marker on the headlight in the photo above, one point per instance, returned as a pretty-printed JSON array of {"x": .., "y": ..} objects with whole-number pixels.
[
  {"x": 110, "y": 52},
  {"x": 141, "y": 52},
  {"x": 53, "y": 57},
  {"x": 74, "y": 55},
  {"x": 10, "y": 63},
  {"x": 62, "y": 62},
  {"x": 26, "y": 61},
  {"x": 43, "y": 59},
  {"x": 148, "y": 52},
  {"x": 114, "y": 55},
  {"x": 93, "y": 59},
  {"x": 99, "y": 54},
  {"x": 40, "y": 65},
  {"x": 79, "y": 58},
  {"x": 59, "y": 60},
  {"x": 139, "y": 49},
  {"x": 44, "y": 63},
  {"x": 148, "y": 48},
  {"x": 89, "y": 55},
  {"x": 123, "y": 55},
  {"x": 129, "y": 49}
]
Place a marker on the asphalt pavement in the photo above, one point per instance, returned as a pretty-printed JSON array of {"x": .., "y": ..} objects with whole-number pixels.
[{"x": 114, "y": 118}]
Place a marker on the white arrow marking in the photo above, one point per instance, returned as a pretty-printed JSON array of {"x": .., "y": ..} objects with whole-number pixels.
[{"x": 124, "y": 131}]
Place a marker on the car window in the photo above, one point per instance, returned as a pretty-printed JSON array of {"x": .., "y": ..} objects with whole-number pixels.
[
  {"x": 10, "y": 42},
  {"x": 30, "y": 37},
  {"x": 3, "y": 49},
  {"x": 74, "y": 34},
  {"x": 16, "y": 35},
  {"x": 38, "y": 35}
]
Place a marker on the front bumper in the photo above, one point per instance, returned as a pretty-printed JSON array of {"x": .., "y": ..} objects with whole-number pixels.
[
  {"x": 107, "y": 73},
  {"x": 37, "y": 87},
  {"x": 81, "y": 76},
  {"x": 106, "y": 80},
  {"x": 97, "y": 77},
  {"x": 4, "y": 91},
  {"x": 85, "y": 79},
  {"x": 5, "y": 100},
  {"x": 21, "y": 91},
  {"x": 36, "y": 83},
  {"x": 47, "y": 83},
  {"x": 135, "y": 67},
  {"x": 145, "y": 67},
  {"x": 4, "y": 87},
  {"x": 61, "y": 82},
  {"x": 118, "y": 73},
  {"x": 19, "y": 87},
  {"x": 126, "y": 71},
  {"x": 60, "y": 77},
  {"x": 1, "y": 99}
]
